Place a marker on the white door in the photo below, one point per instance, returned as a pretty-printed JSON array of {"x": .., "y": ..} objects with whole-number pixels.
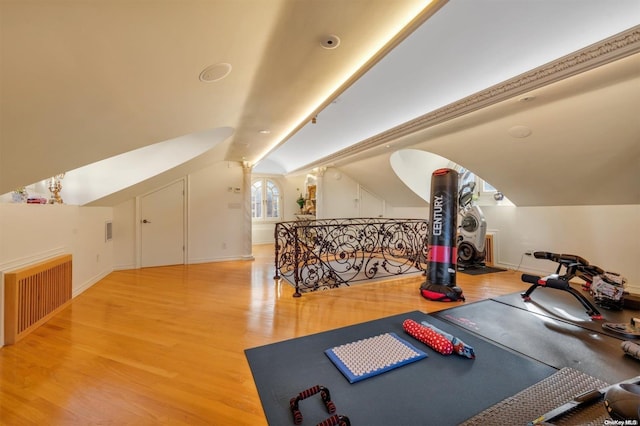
[
  {"x": 162, "y": 226},
  {"x": 370, "y": 205}
]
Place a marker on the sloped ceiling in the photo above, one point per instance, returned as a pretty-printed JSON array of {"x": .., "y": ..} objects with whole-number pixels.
[
  {"x": 584, "y": 147},
  {"x": 83, "y": 81}
]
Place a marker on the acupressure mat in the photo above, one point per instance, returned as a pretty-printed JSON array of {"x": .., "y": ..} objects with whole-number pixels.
[
  {"x": 438, "y": 390},
  {"x": 369, "y": 357}
]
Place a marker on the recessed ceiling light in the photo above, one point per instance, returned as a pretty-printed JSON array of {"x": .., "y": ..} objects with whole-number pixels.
[
  {"x": 215, "y": 72},
  {"x": 264, "y": 131},
  {"x": 330, "y": 41},
  {"x": 519, "y": 132}
]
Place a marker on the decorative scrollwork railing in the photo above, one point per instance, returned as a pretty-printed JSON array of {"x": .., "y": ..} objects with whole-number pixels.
[{"x": 328, "y": 253}]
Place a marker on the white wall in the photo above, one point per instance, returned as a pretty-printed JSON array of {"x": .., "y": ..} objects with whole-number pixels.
[
  {"x": 408, "y": 212},
  {"x": 339, "y": 201},
  {"x": 293, "y": 187},
  {"x": 343, "y": 197},
  {"x": 606, "y": 236},
  {"x": 215, "y": 218},
  {"x": 31, "y": 233},
  {"x": 124, "y": 231},
  {"x": 215, "y": 213}
]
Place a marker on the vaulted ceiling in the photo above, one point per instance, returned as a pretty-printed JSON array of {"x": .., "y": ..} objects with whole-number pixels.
[{"x": 84, "y": 81}]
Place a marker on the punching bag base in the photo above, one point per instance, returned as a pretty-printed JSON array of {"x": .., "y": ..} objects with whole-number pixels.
[{"x": 441, "y": 293}]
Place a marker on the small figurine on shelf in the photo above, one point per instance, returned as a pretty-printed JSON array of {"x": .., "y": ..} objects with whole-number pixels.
[
  {"x": 20, "y": 195},
  {"x": 55, "y": 186},
  {"x": 309, "y": 207}
]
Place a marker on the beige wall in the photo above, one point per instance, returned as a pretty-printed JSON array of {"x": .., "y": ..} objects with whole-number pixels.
[
  {"x": 32, "y": 233},
  {"x": 214, "y": 219},
  {"x": 606, "y": 236}
]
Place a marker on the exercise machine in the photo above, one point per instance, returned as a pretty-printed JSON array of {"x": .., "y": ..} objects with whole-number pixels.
[
  {"x": 622, "y": 402},
  {"x": 607, "y": 288},
  {"x": 472, "y": 230}
]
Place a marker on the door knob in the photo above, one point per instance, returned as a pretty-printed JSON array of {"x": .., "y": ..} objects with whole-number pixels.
[{"x": 146, "y": 221}]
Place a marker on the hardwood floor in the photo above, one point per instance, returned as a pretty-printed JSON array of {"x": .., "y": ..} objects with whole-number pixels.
[{"x": 165, "y": 345}]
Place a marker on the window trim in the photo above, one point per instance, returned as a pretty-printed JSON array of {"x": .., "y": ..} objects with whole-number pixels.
[{"x": 265, "y": 180}]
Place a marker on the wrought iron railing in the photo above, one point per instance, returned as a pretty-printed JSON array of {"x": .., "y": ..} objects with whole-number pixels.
[{"x": 328, "y": 253}]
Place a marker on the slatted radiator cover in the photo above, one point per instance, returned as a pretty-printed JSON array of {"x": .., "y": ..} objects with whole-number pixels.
[
  {"x": 488, "y": 247},
  {"x": 34, "y": 294}
]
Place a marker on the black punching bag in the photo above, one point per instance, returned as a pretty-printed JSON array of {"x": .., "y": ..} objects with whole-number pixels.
[{"x": 443, "y": 217}]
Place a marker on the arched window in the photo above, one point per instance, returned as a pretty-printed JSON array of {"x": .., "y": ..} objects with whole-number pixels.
[{"x": 265, "y": 200}]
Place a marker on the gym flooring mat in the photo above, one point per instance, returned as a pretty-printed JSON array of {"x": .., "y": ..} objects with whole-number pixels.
[
  {"x": 442, "y": 390},
  {"x": 563, "y": 306},
  {"x": 554, "y": 342}
]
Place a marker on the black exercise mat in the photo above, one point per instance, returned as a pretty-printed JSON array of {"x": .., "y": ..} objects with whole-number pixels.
[
  {"x": 562, "y": 305},
  {"x": 442, "y": 390},
  {"x": 479, "y": 270},
  {"x": 548, "y": 340}
]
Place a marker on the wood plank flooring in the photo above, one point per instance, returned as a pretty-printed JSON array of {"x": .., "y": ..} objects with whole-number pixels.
[{"x": 164, "y": 346}]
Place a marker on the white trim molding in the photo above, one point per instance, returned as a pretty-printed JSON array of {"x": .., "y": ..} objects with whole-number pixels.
[{"x": 606, "y": 51}]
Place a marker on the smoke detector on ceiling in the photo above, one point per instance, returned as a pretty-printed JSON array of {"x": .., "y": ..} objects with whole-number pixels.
[
  {"x": 215, "y": 72},
  {"x": 330, "y": 41},
  {"x": 519, "y": 132}
]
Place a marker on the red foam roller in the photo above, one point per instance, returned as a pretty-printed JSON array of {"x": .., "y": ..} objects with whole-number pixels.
[{"x": 434, "y": 340}]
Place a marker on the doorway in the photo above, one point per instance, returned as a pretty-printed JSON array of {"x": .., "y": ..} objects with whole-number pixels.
[
  {"x": 370, "y": 205},
  {"x": 162, "y": 226}
]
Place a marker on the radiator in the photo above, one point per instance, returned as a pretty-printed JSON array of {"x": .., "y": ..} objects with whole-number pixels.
[
  {"x": 488, "y": 249},
  {"x": 33, "y": 294}
]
